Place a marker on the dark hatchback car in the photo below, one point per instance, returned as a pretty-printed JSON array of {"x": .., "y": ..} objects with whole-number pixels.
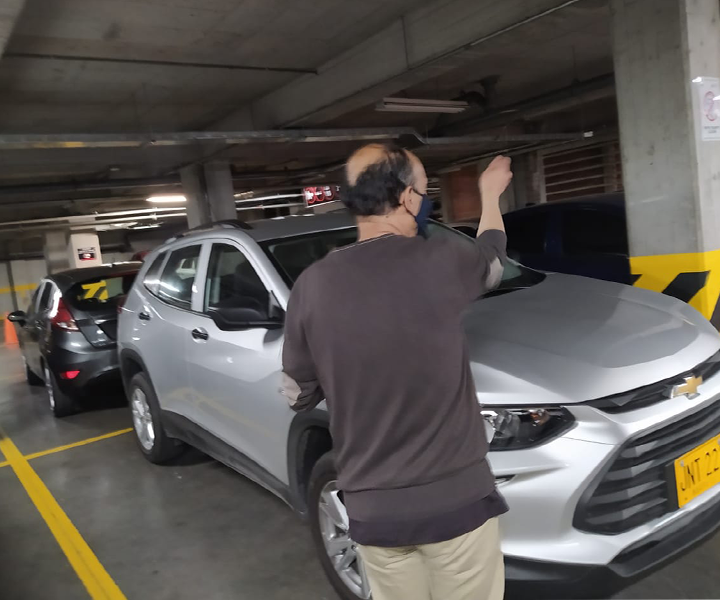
[
  {"x": 67, "y": 335},
  {"x": 583, "y": 236}
]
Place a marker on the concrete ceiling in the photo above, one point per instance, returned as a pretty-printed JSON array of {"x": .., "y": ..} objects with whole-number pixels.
[{"x": 147, "y": 67}]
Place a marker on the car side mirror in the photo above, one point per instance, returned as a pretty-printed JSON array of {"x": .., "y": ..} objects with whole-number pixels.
[
  {"x": 18, "y": 317},
  {"x": 239, "y": 319}
]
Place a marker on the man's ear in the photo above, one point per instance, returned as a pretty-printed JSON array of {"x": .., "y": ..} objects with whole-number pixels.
[{"x": 406, "y": 199}]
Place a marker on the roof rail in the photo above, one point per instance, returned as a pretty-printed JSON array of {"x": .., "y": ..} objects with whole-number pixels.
[{"x": 226, "y": 224}]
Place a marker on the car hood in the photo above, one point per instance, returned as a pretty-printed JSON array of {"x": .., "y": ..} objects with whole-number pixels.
[{"x": 569, "y": 339}]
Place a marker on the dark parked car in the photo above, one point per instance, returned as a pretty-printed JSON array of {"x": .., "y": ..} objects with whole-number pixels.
[
  {"x": 584, "y": 236},
  {"x": 67, "y": 335}
]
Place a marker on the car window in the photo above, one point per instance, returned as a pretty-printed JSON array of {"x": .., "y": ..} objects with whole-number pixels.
[
  {"x": 526, "y": 233},
  {"x": 99, "y": 294},
  {"x": 152, "y": 276},
  {"x": 293, "y": 255},
  {"x": 46, "y": 297},
  {"x": 587, "y": 232},
  {"x": 176, "y": 281},
  {"x": 232, "y": 282},
  {"x": 33, "y": 301}
]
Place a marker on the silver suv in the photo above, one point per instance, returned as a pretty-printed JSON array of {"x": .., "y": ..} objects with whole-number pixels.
[{"x": 605, "y": 400}]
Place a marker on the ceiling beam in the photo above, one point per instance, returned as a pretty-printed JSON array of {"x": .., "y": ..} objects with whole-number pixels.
[
  {"x": 9, "y": 13},
  {"x": 426, "y": 42}
]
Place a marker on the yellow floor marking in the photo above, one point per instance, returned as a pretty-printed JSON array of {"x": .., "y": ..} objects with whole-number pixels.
[
  {"x": 73, "y": 445},
  {"x": 96, "y": 579},
  {"x": 76, "y": 444}
]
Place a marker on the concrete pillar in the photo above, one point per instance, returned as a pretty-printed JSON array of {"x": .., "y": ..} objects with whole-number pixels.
[
  {"x": 55, "y": 250},
  {"x": 209, "y": 192},
  {"x": 667, "y": 56},
  {"x": 83, "y": 250},
  {"x": 193, "y": 182},
  {"x": 527, "y": 182},
  {"x": 218, "y": 178}
]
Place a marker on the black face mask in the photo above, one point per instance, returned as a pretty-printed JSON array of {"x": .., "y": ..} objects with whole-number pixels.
[{"x": 423, "y": 216}]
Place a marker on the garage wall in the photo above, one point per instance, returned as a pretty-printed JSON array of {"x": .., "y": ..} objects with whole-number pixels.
[{"x": 582, "y": 171}]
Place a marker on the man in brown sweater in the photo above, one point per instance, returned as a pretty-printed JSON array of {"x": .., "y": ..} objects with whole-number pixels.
[{"x": 375, "y": 328}]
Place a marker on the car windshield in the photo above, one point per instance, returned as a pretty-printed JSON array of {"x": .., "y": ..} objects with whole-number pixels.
[{"x": 291, "y": 256}]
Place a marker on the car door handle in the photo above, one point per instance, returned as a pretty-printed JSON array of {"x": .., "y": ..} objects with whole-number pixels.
[
  {"x": 200, "y": 334},
  {"x": 143, "y": 316}
]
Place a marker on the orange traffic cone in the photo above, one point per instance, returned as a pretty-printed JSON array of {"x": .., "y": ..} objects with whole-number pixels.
[{"x": 10, "y": 334}]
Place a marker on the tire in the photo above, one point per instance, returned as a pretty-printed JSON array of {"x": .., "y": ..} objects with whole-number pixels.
[
  {"x": 32, "y": 379},
  {"x": 61, "y": 404},
  {"x": 150, "y": 434},
  {"x": 329, "y": 523}
]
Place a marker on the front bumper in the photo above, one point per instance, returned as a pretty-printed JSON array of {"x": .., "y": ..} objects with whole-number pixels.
[
  {"x": 535, "y": 579},
  {"x": 546, "y": 555}
]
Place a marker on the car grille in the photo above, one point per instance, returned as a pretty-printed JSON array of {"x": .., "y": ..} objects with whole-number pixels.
[
  {"x": 656, "y": 392},
  {"x": 639, "y": 483}
]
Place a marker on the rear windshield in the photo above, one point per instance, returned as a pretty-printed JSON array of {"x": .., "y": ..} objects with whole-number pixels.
[{"x": 99, "y": 294}]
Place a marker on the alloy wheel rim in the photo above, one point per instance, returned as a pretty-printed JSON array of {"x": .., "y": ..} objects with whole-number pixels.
[
  {"x": 340, "y": 548},
  {"x": 142, "y": 419},
  {"x": 49, "y": 388}
]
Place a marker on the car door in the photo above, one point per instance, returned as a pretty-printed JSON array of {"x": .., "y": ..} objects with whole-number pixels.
[
  {"x": 235, "y": 370},
  {"x": 595, "y": 244},
  {"x": 28, "y": 333},
  {"x": 161, "y": 326}
]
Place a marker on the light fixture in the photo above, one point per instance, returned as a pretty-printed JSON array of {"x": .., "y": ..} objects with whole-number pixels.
[
  {"x": 420, "y": 105},
  {"x": 697, "y": 80},
  {"x": 169, "y": 199},
  {"x": 155, "y": 226},
  {"x": 125, "y": 224}
]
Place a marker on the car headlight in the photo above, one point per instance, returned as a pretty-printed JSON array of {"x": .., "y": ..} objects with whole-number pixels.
[{"x": 517, "y": 428}]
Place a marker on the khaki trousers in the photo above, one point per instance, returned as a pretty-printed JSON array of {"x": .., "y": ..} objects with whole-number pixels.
[{"x": 469, "y": 567}]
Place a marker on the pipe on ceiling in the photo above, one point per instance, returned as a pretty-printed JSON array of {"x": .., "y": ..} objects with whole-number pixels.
[
  {"x": 553, "y": 101},
  {"x": 156, "y": 63}
]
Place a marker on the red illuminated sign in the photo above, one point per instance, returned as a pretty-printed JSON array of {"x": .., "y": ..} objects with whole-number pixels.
[{"x": 321, "y": 194}]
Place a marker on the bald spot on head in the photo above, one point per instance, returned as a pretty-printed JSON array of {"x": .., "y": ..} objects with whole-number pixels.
[{"x": 369, "y": 155}]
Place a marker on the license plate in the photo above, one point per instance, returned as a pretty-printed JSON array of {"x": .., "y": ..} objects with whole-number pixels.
[{"x": 697, "y": 471}]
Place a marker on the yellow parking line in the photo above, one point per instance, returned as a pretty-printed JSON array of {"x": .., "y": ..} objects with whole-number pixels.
[
  {"x": 96, "y": 579},
  {"x": 73, "y": 445},
  {"x": 76, "y": 444}
]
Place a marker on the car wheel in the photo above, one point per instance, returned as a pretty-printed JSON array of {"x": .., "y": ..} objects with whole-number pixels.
[
  {"x": 61, "y": 404},
  {"x": 154, "y": 443},
  {"x": 32, "y": 379},
  {"x": 338, "y": 553}
]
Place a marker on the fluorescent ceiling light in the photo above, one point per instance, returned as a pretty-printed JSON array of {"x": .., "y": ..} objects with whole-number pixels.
[
  {"x": 155, "y": 226},
  {"x": 125, "y": 224},
  {"x": 420, "y": 105},
  {"x": 177, "y": 198},
  {"x": 697, "y": 80}
]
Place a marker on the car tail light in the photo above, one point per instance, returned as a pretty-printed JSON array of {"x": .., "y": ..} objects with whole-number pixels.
[
  {"x": 63, "y": 319},
  {"x": 69, "y": 374}
]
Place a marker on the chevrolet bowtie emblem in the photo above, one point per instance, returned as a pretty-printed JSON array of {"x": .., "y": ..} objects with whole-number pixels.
[{"x": 689, "y": 388}]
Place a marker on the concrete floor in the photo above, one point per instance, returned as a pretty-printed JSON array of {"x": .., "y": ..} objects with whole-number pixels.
[{"x": 194, "y": 530}]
